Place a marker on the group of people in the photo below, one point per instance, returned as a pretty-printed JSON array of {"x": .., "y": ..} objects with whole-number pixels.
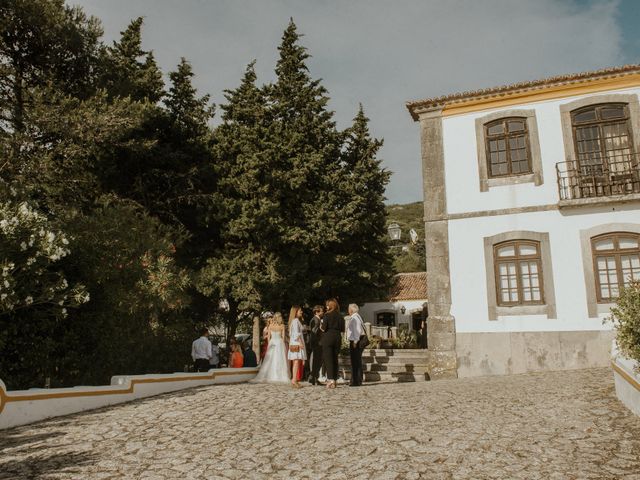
[
  {"x": 206, "y": 353},
  {"x": 285, "y": 354},
  {"x": 321, "y": 346}
]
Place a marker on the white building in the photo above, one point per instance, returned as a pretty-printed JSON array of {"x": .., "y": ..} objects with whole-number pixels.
[
  {"x": 406, "y": 306},
  {"x": 532, "y": 214}
]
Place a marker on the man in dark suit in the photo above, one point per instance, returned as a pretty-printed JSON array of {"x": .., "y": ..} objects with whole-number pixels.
[
  {"x": 315, "y": 349},
  {"x": 249, "y": 355}
]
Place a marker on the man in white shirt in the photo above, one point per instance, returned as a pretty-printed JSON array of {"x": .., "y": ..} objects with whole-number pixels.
[
  {"x": 355, "y": 329},
  {"x": 201, "y": 352}
]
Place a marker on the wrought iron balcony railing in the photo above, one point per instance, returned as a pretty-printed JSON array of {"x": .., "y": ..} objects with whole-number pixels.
[{"x": 595, "y": 176}]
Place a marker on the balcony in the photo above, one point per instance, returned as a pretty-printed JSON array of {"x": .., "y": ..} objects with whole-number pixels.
[{"x": 595, "y": 180}]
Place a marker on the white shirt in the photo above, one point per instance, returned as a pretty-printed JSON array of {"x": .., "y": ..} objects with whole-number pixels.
[
  {"x": 201, "y": 348},
  {"x": 215, "y": 351},
  {"x": 355, "y": 328}
]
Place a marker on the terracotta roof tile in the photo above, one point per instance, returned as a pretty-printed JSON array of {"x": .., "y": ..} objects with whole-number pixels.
[
  {"x": 521, "y": 86},
  {"x": 409, "y": 286}
]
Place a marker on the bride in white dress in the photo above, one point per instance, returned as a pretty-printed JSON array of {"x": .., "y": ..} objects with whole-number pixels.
[{"x": 274, "y": 367}]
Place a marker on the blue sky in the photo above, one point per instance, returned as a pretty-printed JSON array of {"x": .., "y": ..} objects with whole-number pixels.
[
  {"x": 383, "y": 53},
  {"x": 629, "y": 21}
]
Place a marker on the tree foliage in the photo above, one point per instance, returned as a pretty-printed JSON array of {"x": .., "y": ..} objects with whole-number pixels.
[
  {"x": 156, "y": 216},
  {"x": 625, "y": 317}
]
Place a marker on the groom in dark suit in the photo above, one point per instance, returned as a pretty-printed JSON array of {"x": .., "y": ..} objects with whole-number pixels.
[{"x": 314, "y": 343}]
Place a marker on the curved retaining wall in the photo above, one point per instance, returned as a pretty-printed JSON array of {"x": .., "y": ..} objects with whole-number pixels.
[
  {"x": 626, "y": 375},
  {"x": 21, "y": 407}
]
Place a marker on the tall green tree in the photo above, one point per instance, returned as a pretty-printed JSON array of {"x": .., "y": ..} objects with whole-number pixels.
[
  {"x": 307, "y": 151},
  {"x": 130, "y": 71},
  {"x": 245, "y": 270},
  {"x": 360, "y": 265}
]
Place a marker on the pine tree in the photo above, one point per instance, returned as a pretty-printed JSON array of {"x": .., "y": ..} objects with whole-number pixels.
[
  {"x": 189, "y": 114},
  {"x": 130, "y": 71},
  {"x": 362, "y": 265},
  {"x": 245, "y": 270},
  {"x": 307, "y": 150}
]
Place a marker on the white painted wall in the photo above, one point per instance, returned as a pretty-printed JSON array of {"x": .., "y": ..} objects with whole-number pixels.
[
  {"x": 461, "y": 160},
  {"x": 466, "y": 246},
  {"x": 21, "y": 407},
  {"x": 468, "y": 269}
]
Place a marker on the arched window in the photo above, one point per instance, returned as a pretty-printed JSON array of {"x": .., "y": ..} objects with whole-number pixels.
[
  {"x": 507, "y": 143},
  {"x": 518, "y": 273},
  {"x": 602, "y": 138},
  {"x": 616, "y": 259}
]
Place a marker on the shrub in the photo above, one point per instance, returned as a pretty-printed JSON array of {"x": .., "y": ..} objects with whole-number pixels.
[{"x": 626, "y": 318}]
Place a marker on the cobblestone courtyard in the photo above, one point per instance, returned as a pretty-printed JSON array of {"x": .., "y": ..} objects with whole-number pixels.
[{"x": 564, "y": 425}]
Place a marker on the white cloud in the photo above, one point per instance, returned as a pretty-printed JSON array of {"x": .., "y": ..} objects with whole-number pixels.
[{"x": 378, "y": 52}]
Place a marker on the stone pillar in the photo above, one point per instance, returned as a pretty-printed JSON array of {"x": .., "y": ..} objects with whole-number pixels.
[
  {"x": 256, "y": 336},
  {"x": 441, "y": 329}
]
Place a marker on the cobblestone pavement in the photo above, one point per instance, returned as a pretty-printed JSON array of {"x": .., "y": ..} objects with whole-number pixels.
[{"x": 558, "y": 425}]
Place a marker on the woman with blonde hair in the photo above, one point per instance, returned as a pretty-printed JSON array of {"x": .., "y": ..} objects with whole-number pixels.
[
  {"x": 297, "y": 353},
  {"x": 274, "y": 366},
  {"x": 332, "y": 326}
]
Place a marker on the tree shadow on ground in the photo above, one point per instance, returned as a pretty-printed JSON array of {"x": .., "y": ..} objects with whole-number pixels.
[
  {"x": 35, "y": 467},
  {"x": 16, "y": 438}
]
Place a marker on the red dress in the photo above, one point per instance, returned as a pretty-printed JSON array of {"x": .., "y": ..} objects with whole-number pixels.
[{"x": 236, "y": 360}]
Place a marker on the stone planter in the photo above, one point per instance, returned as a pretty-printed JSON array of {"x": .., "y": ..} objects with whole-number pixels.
[{"x": 627, "y": 380}]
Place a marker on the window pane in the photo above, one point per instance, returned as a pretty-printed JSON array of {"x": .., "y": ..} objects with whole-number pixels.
[
  {"x": 605, "y": 244},
  {"x": 630, "y": 265},
  {"x": 612, "y": 112},
  {"x": 515, "y": 125},
  {"x": 628, "y": 242},
  {"x": 507, "y": 251},
  {"x": 499, "y": 169},
  {"x": 586, "y": 116},
  {"x": 496, "y": 129},
  {"x": 527, "y": 249}
]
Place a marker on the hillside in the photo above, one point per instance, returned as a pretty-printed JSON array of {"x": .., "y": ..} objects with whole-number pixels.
[{"x": 407, "y": 257}]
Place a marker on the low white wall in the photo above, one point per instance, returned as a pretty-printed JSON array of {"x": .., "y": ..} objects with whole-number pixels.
[
  {"x": 21, "y": 407},
  {"x": 627, "y": 380}
]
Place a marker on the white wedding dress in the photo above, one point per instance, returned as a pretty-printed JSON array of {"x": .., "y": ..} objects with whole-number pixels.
[{"x": 274, "y": 367}]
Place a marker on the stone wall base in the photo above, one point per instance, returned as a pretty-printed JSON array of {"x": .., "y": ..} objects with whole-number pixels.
[{"x": 506, "y": 353}]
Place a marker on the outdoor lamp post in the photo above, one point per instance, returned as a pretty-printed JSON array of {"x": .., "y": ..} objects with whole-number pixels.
[{"x": 394, "y": 231}]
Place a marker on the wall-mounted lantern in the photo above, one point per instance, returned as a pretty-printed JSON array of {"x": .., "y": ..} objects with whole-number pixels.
[
  {"x": 394, "y": 231},
  {"x": 403, "y": 309}
]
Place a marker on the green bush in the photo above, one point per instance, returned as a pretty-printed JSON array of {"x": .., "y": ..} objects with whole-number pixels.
[{"x": 626, "y": 318}]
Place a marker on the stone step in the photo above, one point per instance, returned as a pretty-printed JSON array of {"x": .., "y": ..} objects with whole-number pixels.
[
  {"x": 390, "y": 377},
  {"x": 396, "y": 360},
  {"x": 395, "y": 377},
  {"x": 397, "y": 352},
  {"x": 395, "y": 368}
]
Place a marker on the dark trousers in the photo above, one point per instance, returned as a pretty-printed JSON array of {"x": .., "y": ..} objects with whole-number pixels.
[
  {"x": 355, "y": 353},
  {"x": 316, "y": 360},
  {"x": 307, "y": 364},
  {"x": 201, "y": 365},
  {"x": 330, "y": 352}
]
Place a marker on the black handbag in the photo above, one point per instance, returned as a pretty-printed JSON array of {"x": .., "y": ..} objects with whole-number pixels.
[{"x": 363, "y": 341}]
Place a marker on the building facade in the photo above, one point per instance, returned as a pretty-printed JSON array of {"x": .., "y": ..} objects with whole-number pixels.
[
  {"x": 405, "y": 308},
  {"x": 532, "y": 219}
]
